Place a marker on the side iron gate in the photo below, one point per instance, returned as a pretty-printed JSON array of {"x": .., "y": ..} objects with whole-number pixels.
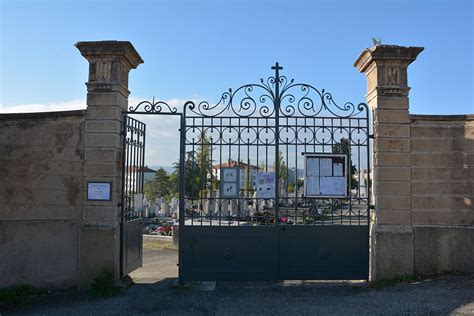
[
  {"x": 133, "y": 160},
  {"x": 274, "y": 184}
]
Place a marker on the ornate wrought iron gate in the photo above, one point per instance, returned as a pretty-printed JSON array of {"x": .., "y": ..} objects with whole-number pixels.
[
  {"x": 133, "y": 160},
  {"x": 255, "y": 139}
]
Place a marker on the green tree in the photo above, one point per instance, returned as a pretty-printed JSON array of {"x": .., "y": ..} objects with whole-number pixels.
[
  {"x": 174, "y": 182},
  {"x": 197, "y": 170},
  {"x": 343, "y": 147},
  {"x": 159, "y": 186},
  {"x": 191, "y": 175},
  {"x": 282, "y": 169},
  {"x": 203, "y": 163}
]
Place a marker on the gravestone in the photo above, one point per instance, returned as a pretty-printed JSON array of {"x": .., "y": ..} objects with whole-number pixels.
[
  {"x": 165, "y": 209},
  {"x": 209, "y": 204},
  {"x": 226, "y": 208},
  {"x": 300, "y": 191},
  {"x": 244, "y": 204},
  {"x": 233, "y": 207},
  {"x": 174, "y": 205}
]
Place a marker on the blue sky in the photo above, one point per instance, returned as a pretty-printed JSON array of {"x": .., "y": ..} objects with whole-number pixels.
[{"x": 199, "y": 49}]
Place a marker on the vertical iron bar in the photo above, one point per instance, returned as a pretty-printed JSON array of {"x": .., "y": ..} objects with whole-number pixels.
[
  {"x": 142, "y": 189},
  {"x": 182, "y": 212},
  {"x": 286, "y": 180},
  {"x": 211, "y": 185},
  {"x": 221, "y": 135},
  {"x": 191, "y": 194},
  {"x": 277, "y": 102},
  {"x": 229, "y": 163},
  {"x": 368, "y": 169},
  {"x": 202, "y": 174},
  {"x": 122, "y": 215},
  {"x": 257, "y": 205},
  {"x": 239, "y": 135},
  {"x": 131, "y": 210}
]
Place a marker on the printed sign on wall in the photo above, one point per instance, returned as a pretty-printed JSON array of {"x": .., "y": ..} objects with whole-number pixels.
[
  {"x": 325, "y": 175},
  {"x": 99, "y": 191},
  {"x": 265, "y": 185},
  {"x": 230, "y": 180}
]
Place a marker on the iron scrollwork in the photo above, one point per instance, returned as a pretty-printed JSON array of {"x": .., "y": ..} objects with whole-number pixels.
[
  {"x": 156, "y": 107},
  {"x": 243, "y": 102},
  {"x": 261, "y": 99}
]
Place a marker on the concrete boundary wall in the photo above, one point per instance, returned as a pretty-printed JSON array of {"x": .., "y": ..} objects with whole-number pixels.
[
  {"x": 41, "y": 196},
  {"x": 442, "y": 192},
  {"x": 52, "y": 236},
  {"x": 423, "y": 220}
]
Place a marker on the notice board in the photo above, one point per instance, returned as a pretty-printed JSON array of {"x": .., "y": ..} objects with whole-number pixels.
[{"x": 326, "y": 175}]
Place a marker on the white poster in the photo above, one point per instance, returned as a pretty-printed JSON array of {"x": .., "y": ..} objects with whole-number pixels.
[
  {"x": 229, "y": 174},
  {"x": 229, "y": 189},
  {"x": 312, "y": 186},
  {"x": 265, "y": 185},
  {"x": 338, "y": 169},
  {"x": 230, "y": 180},
  {"x": 325, "y": 167},
  {"x": 312, "y": 167},
  {"x": 334, "y": 186}
]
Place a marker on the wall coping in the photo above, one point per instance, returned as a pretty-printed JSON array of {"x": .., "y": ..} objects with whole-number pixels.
[
  {"x": 98, "y": 50},
  {"x": 428, "y": 117},
  {"x": 38, "y": 115},
  {"x": 386, "y": 52}
]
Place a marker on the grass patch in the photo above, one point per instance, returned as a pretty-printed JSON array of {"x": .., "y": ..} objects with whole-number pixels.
[
  {"x": 19, "y": 295},
  {"x": 158, "y": 245},
  {"x": 104, "y": 284},
  {"x": 405, "y": 278}
]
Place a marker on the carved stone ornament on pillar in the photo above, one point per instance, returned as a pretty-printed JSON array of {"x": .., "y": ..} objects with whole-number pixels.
[
  {"x": 386, "y": 69},
  {"x": 110, "y": 63}
]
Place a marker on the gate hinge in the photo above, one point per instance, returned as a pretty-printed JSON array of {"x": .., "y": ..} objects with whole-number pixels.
[
  {"x": 372, "y": 207},
  {"x": 371, "y": 136},
  {"x": 122, "y": 133},
  {"x": 119, "y": 204}
]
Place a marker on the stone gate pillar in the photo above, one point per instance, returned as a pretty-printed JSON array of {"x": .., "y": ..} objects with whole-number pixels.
[
  {"x": 385, "y": 66},
  {"x": 107, "y": 96}
]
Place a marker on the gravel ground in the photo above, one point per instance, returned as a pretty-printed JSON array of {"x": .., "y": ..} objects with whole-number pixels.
[{"x": 155, "y": 294}]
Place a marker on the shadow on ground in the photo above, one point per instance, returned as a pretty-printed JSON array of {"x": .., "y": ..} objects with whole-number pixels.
[{"x": 154, "y": 292}]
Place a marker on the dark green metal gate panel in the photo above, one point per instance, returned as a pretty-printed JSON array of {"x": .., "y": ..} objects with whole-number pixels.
[
  {"x": 323, "y": 252},
  {"x": 229, "y": 253},
  {"x": 132, "y": 246},
  {"x": 131, "y": 224}
]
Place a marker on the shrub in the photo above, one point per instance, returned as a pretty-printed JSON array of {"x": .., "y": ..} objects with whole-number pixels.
[
  {"x": 18, "y": 295},
  {"x": 104, "y": 284}
]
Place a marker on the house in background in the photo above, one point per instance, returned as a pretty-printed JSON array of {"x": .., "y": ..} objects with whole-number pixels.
[
  {"x": 148, "y": 173},
  {"x": 134, "y": 176},
  {"x": 247, "y": 172}
]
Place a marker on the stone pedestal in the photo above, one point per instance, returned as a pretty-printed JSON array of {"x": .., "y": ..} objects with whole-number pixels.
[
  {"x": 387, "y": 94},
  {"x": 107, "y": 97}
]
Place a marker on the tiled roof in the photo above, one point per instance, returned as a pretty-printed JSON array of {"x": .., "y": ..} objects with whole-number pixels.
[{"x": 233, "y": 163}]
